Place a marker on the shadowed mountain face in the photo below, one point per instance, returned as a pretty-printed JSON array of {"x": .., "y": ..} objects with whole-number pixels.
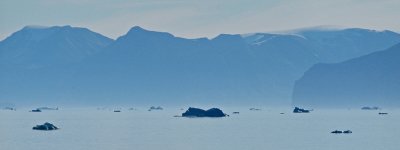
[
  {"x": 156, "y": 67},
  {"x": 370, "y": 80},
  {"x": 36, "y": 62}
]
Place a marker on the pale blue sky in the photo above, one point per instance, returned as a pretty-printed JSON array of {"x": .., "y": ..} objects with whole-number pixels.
[{"x": 198, "y": 18}]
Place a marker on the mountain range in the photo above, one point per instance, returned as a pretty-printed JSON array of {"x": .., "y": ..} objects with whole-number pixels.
[{"x": 70, "y": 65}]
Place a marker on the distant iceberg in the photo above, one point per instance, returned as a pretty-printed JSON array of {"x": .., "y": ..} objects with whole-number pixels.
[
  {"x": 254, "y": 109},
  {"x": 35, "y": 110},
  {"x": 339, "y": 132},
  {"x": 155, "y": 108},
  {"x": 46, "y": 126},
  {"x": 300, "y": 110},
  {"x": 370, "y": 108},
  {"x": 48, "y": 108},
  {"x": 197, "y": 112}
]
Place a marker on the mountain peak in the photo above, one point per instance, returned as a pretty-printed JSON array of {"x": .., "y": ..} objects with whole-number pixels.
[
  {"x": 139, "y": 32},
  {"x": 47, "y": 46},
  {"x": 137, "y": 29}
]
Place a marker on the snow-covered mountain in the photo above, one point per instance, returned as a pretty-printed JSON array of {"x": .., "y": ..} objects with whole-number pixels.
[
  {"x": 339, "y": 45},
  {"x": 156, "y": 67},
  {"x": 370, "y": 80}
]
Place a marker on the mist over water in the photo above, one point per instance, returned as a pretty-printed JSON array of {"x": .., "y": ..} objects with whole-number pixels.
[{"x": 97, "y": 129}]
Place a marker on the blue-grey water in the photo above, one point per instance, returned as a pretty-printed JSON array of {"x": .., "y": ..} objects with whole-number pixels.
[{"x": 92, "y": 129}]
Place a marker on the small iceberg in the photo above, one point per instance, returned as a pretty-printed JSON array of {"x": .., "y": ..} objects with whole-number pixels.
[
  {"x": 370, "y": 108},
  {"x": 40, "y": 109},
  {"x": 340, "y": 132},
  {"x": 46, "y": 127},
  {"x": 337, "y": 132},
  {"x": 36, "y": 110},
  {"x": 255, "y": 109},
  {"x": 347, "y": 132},
  {"x": 48, "y": 108},
  {"x": 197, "y": 112},
  {"x": 382, "y": 113},
  {"x": 300, "y": 110},
  {"x": 155, "y": 108}
]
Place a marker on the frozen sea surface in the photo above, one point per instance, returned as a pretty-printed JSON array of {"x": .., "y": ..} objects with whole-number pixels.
[{"x": 91, "y": 129}]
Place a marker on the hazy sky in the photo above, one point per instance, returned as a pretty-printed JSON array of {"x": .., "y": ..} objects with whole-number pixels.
[{"x": 198, "y": 18}]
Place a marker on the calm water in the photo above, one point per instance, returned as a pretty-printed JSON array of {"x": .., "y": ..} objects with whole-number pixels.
[{"x": 91, "y": 129}]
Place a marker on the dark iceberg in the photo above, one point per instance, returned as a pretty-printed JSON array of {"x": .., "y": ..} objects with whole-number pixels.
[
  {"x": 339, "y": 132},
  {"x": 47, "y": 108},
  {"x": 155, "y": 108},
  {"x": 46, "y": 126},
  {"x": 370, "y": 108},
  {"x": 347, "y": 132},
  {"x": 254, "y": 109},
  {"x": 197, "y": 112},
  {"x": 300, "y": 110},
  {"x": 36, "y": 110}
]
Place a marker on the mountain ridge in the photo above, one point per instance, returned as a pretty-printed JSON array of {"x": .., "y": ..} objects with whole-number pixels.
[
  {"x": 372, "y": 79},
  {"x": 145, "y": 66}
]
